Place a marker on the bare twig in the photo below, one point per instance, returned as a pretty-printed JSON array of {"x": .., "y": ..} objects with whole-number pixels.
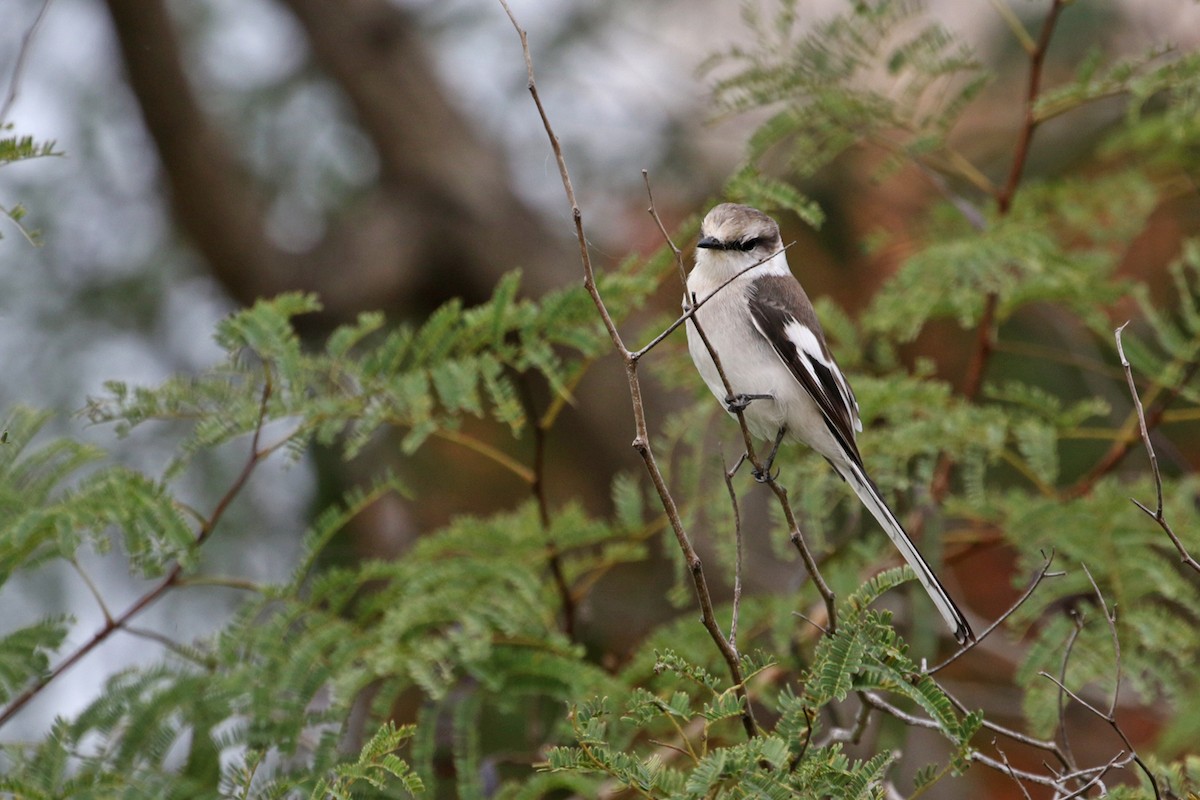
[
  {"x": 1157, "y": 513},
  {"x": 1111, "y": 619},
  {"x": 737, "y": 558},
  {"x": 694, "y": 305},
  {"x": 14, "y": 81},
  {"x": 641, "y": 442},
  {"x": 1042, "y": 574},
  {"x": 1119, "y": 760},
  {"x": 653, "y": 212},
  {"x": 1009, "y": 733},
  {"x": 1054, "y": 782},
  {"x": 1009, "y": 768},
  {"x": 1111, "y": 719},
  {"x": 1077, "y": 619},
  {"x": 1160, "y": 398}
]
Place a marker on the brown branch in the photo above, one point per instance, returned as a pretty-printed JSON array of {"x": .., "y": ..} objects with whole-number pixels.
[
  {"x": 1077, "y": 621},
  {"x": 1129, "y": 435},
  {"x": 1042, "y": 574},
  {"x": 171, "y": 579},
  {"x": 1037, "y": 59},
  {"x": 692, "y": 305},
  {"x": 737, "y": 561},
  {"x": 641, "y": 442},
  {"x": 1112, "y": 721},
  {"x": 1009, "y": 768},
  {"x": 1144, "y": 428},
  {"x": 985, "y": 335},
  {"x": 1111, "y": 715}
]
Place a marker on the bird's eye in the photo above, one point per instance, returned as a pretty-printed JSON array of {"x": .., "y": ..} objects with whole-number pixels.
[{"x": 748, "y": 244}]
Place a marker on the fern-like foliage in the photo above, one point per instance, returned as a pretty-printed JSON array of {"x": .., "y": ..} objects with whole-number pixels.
[
  {"x": 22, "y": 148},
  {"x": 821, "y": 82}
]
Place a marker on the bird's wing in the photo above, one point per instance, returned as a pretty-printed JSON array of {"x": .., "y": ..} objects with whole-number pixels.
[{"x": 785, "y": 318}]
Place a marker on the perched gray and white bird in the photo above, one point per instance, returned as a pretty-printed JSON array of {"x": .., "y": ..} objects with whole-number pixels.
[{"x": 784, "y": 379}]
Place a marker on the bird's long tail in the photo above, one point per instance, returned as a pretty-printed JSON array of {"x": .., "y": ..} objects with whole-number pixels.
[{"x": 866, "y": 490}]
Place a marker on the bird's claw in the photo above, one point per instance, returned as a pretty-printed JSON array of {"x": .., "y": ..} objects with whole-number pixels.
[
  {"x": 765, "y": 475},
  {"x": 740, "y": 402}
]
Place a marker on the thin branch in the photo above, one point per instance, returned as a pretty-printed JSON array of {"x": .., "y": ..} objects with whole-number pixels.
[
  {"x": 1042, "y": 574},
  {"x": 1009, "y": 733},
  {"x": 641, "y": 442},
  {"x": 1009, "y": 768},
  {"x": 91, "y": 587},
  {"x": 877, "y": 702},
  {"x": 487, "y": 451},
  {"x": 1157, "y": 514},
  {"x": 653, "y": 212},
  {"x": 695, "y": 305},
  {"x": 14, "y": 81},
  {"x": 1077, "y": 619},
  {"x": 1120, "y": 760},
  {"x": 1112, "y": 721},
  {"x": 1160, "y": 398},
  {"x": 737, "y": 559},
  {"x": 1111, "y": 619}
]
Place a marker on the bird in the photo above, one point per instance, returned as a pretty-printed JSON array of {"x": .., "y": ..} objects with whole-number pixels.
[{"x": 782, "y": 376}]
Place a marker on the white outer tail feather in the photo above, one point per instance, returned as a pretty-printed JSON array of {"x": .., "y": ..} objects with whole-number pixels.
[{"x": 869, "y": 494}]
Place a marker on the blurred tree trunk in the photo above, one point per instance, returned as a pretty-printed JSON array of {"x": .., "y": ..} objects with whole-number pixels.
[{"x": 442, "y": 220}]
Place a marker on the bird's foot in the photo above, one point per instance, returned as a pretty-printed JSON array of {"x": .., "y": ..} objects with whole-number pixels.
[
  {"x": 765, "y": 475},
  {"x": 740, "y": 402}
]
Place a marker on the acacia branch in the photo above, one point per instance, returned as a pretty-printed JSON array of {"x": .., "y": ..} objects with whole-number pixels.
[
  {"x": 985, "y": 334},
  {"x": 641, "y": 442},
  {"x": 173, "y": 577}
]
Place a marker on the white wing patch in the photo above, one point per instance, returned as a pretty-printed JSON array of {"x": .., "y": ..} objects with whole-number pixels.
[{"x": 810, "y": 350}]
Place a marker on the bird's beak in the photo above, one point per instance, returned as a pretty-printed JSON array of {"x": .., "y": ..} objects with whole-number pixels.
[{"x": 710, "y": 243}]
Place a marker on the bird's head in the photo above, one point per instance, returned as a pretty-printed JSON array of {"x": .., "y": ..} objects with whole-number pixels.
[{"x": 737, "y": 233}]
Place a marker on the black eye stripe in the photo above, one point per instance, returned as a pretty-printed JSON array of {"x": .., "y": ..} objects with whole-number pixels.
[{"x": 746, "y": 245}]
